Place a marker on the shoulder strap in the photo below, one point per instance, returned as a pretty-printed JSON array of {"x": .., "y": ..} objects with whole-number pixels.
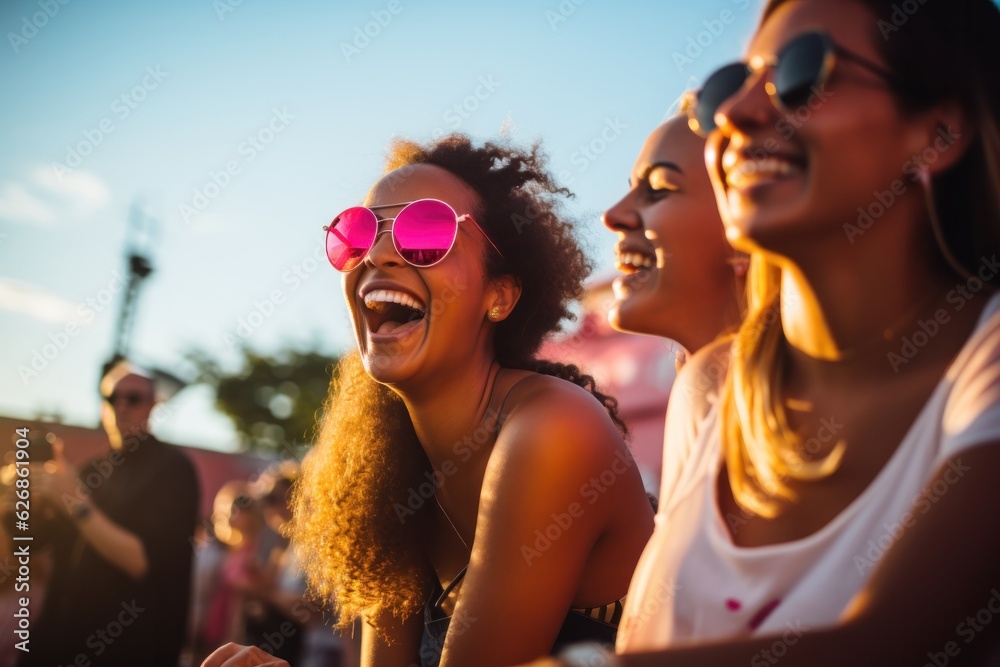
[
  {"x": 451, "y": 585},
  {"x": 503, "y": 403}
]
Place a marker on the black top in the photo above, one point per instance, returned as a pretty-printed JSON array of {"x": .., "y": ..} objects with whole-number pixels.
[
  {"x": 595, "y": 624},
  {"x": 92, "y": 608}
]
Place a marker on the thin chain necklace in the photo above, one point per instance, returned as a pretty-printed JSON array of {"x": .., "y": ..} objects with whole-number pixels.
[{"x": 891, "y": 332}]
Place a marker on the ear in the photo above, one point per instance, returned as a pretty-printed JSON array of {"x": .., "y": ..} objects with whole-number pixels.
[
  {"x": 945, "y": 134},
  {"x": 503, "y": 294}
]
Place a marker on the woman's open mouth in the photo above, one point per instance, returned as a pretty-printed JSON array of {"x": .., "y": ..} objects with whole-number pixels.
[
  {"x": 391, "y": 313},
  {"x": 639, "y": 267}
]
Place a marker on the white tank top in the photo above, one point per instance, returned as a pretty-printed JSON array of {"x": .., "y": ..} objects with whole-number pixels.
[{"x": 693, "y": 583}]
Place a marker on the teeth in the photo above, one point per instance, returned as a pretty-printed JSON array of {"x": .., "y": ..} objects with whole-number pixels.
[
  {"x": 377, "y": 300},
  {"x": 750, "y": 170},
  {"x": 636, "y": 260}
]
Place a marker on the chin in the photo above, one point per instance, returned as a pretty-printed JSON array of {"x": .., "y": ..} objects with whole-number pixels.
[
  {"x": 632, "y": 315},
  {"x": 769, "y": 226},
  {"x": 389, "y": 369}
]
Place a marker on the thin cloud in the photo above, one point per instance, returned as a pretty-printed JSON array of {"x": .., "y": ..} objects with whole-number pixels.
[
  {"x": 35, "y": 302},
  {"x": 45, "y": 198}
]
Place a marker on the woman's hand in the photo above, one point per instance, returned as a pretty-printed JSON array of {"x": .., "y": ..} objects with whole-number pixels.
[{"x": 235, "y": 655}]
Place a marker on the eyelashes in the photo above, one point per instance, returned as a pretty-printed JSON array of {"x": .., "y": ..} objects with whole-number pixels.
[{"x": 658, "y": 181}]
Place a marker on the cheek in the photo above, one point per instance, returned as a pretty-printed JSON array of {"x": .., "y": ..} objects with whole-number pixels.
[
  {"x": 349, "y": 287},
  {"x": 456, "y": 289},
  {"x": 856, "y": 152}
]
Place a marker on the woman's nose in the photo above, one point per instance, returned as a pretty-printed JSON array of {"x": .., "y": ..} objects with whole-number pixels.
[
  {"x": 622, "y": 217},
  {"x": 383, "y": 251},
  {"x": 749, "y": 107}
]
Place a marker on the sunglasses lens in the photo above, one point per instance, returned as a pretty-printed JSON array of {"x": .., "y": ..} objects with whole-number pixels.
[
  {"x": 800, "y": 69},
  {"x": 424, "y": 232},
  {"x": 719, "y": 87},
  {"x": 349, "y": 237}
]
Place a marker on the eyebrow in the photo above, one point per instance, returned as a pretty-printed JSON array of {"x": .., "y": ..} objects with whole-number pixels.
[
  {"x": 668, "y": 165},
  {"x": 651, "y": 167}
]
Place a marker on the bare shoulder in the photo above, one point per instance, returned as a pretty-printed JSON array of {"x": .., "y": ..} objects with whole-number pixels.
[
  {"x": 556, "y": 408},
  {"x": 555, "y": 429}
]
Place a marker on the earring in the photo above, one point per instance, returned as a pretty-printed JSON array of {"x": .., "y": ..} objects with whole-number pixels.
[{"x": 495, "y": 313}]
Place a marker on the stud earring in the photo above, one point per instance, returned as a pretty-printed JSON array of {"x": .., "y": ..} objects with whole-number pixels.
[{"x": 495, "y": 314}]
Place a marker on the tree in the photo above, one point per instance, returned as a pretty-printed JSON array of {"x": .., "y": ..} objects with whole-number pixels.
[{"x": 274, "y": 402}]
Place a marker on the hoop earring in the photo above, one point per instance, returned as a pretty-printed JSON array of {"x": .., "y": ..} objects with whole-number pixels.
[{"x": 924, "y": 177}]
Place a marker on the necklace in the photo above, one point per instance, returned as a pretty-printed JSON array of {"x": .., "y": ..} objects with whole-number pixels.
[
  {"x": 890, "y": 333},
  {"x": 495, "y": 373}
]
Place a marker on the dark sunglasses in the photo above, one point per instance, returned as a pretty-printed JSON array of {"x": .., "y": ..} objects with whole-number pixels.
[
  {"x": 423, "y": 233},
  {"x": 131, "y": 398},
  {"x": 801, "y": 68}
]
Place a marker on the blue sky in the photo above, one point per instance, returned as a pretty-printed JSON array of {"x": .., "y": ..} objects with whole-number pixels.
[{"x": 241, "y": 127}]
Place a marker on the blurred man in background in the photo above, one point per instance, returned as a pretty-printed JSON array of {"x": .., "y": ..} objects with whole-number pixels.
[{"x": 120, "y": 530}]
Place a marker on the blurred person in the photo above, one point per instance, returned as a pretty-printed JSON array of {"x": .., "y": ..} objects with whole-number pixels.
[
  {"x": 831, "y": 497},
  {"x": 237, "y": 523},
  {"x": 455, "y": 498},
  {"x": 276, "y": 611},
  {"x": 120, "y": 540},
  {"x": 682, "y": 279},
  {"x": 208, "y": 556},
  {"x": 284, "y": 614}
]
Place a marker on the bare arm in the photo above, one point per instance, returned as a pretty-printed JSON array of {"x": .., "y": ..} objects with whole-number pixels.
[
  {"x": 118, "y": 546},
  {"x": 114, "y": 544},
  {"x": 922, "y": 600},
  {"x": 520, "y": 587},
  {"x": 399, "y": 647}
]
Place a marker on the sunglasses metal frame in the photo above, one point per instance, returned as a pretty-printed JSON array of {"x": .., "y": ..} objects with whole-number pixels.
[
  {"x": 831, "y": 52},
  {"x": 378, "y": 222},
  {"x": 132, "y": 398}
]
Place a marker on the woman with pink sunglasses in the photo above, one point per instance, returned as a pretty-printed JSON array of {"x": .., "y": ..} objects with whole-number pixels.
[
  {"x": 473, "y": 504},
  {"x": 829, "y": 491}
]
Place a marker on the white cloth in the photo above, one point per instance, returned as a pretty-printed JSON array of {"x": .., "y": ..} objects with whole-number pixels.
[{"x": 692, "y": 583}]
